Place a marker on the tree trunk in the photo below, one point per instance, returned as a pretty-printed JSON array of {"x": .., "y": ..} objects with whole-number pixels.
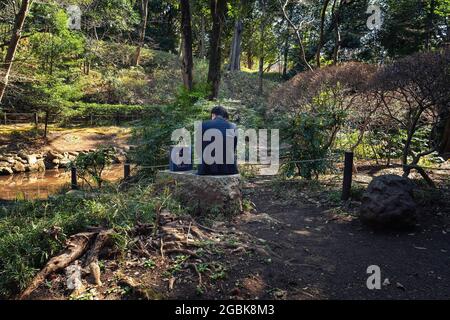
[
  {"x": 445, "y": 145},
  {"x": 13, "y": 44},
  {"x": 285, "y": 56},
  {"x": 250, "y": 59},
  {"x": 202, "y": 37},
  {"x": 187, "y": 44},
  {"x": 144, "y": 9},
  {"x": 430, "y": 24},
  {"x": 322, "y": 25},
  {"x": 260, "y": 74},
  {"x": 235, "y": 52},
  {"x": 218, "y": 8},
  {"x": 337, "y": 33},
  {"x": 261, "y": 48},
  {"x": 86, "y": 66},
  {"x": 298, "y": 34},
  {"x": 46, "y": 124}
]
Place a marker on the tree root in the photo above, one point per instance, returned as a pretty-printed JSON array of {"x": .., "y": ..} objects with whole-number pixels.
[
  {"x": 76, "y": 247},
  {"x": 100, "y": 241},
  {"x": 171, "y": 283},
  {"x": 183, "y": 251},
  {"x": 199, "y": 275},
  {"x": 136, "y": 287},
  {"x": 161, "y": 248},
  {"x": 91, "y": 263}
]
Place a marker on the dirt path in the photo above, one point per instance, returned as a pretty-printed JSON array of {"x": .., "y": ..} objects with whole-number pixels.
[
  {"x": 289, "y": 247},
  {"x": 88, "y": 138},
  {"x": 319, "y": 258},
  {"x": 20, "y": 137}
]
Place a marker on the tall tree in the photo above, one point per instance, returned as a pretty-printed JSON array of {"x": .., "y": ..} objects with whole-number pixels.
[
  {"x": 144, "y": 14},
  {"x": 218, "y": 10},
  {"x": 242, "y": 7},
  {"x": 337, "y": 6},
  {"x": 285, "y": 56},
  {"x": 321, "y": 33},
  {"x": 13, "y": 44},
  {"x": 235, "y": 51},
  {"x": 186, "y": 27},
  {"x": 298, "y": 29},
  {"x": 249, "y": 41},
  {"x": 262, "y": 34},
  {"x": 202, "y": 50}
]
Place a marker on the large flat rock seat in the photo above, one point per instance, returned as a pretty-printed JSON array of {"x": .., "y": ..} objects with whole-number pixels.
[{"x": 205, "y": 195}]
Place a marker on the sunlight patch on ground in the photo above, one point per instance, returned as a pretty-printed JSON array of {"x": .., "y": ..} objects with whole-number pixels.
[{"x": 305, "y": 233}]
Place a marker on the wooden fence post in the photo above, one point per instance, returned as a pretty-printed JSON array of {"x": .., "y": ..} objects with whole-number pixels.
[
  {"x": 126, "y": 170},
  {"x": 348, "y": 171},
  {"x": 74, "y": 183},
  {"x": 4, "y": 118},
  {"x": 36, "y": 119}
]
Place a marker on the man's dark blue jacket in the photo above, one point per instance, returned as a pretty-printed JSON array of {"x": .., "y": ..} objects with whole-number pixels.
[{"x": 219, "y": 169}]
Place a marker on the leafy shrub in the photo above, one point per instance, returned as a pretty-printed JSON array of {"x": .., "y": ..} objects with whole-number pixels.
[
  {"x": 153, "y": 137},
  {"x": 308, "y": 136},
  {"x": 86, "y": 109},
  {"x": 90, "y": 166}
]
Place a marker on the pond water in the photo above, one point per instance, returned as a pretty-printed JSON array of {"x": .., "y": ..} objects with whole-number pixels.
[{"x": 39, "y": 185}]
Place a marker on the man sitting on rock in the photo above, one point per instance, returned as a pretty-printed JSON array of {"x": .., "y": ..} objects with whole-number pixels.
[{"x": 218, "y": 155}]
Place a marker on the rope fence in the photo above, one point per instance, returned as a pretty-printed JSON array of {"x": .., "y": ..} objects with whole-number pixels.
[
  {"x": 348, "y": 161},
  {"x": 347, "y": 177}
]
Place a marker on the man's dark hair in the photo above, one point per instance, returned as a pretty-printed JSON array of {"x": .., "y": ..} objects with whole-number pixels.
[{"x": 220, "y": 111}]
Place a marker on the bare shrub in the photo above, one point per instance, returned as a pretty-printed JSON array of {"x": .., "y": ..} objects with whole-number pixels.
[{"x": 414, "y": 93}]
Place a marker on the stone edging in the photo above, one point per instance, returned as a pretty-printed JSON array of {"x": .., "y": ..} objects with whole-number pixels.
[{"x": 22, "y": 161}]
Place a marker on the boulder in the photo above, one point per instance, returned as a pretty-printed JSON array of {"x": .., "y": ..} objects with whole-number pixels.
[
  {"x": 389, "y": 202},
  {"x": 18, "y": 167},
  {"x": 204, "y": 195},
  {"x": 39, "y": 165},
  {"x": 64, "y": 163},
  {"x": 22, "y": 155},
  {"x": 6, "y": 171},
  {"x": 19, "y": 159},
  {"x": 31, "y": 159},
  {"x": 118, "y": 158},
  {"x": 52, "y": 155},
  {"x": 53, "y": 164}
]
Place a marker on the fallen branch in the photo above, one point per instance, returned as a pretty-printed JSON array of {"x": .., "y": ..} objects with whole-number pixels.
[{"x": 183, "y": 251}]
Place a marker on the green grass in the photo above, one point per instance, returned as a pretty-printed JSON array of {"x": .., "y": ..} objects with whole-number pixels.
[{"x": 25, "y": 243}]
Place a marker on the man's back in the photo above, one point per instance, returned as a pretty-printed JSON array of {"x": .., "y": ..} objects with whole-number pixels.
[{"x": 228, "y": 131}]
